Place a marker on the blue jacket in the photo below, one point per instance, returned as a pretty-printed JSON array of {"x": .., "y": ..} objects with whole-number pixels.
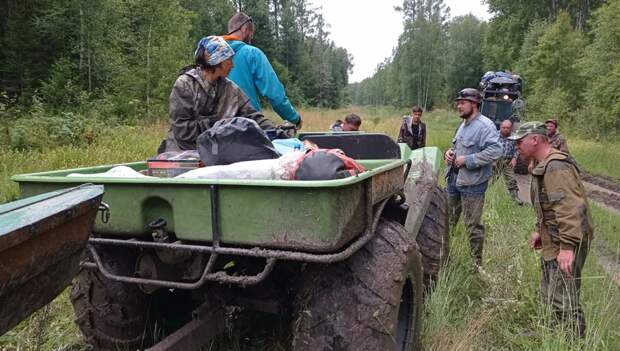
[
  {"x": 478, "y": 141},
  {"x": 253, "y": 73}
]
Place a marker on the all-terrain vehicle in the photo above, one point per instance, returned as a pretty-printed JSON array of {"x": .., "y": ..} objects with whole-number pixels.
[
  {"x": 502, "y": 96},
  {"x": 346, "y": 260}
]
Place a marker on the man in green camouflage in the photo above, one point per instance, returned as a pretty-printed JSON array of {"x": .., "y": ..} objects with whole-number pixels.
[
  {"x": 556, "y": 140},
  {"x": 564, "y": 227},
  {"x": 203, "y": 95}
]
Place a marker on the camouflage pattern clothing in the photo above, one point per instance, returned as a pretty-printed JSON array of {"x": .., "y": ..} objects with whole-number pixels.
[
  {"x": 558, "y": 142},
  {"x": 564, "y": 222},
  {"x": 195, "y": 104},
  {"x": 412, "y": 134}
]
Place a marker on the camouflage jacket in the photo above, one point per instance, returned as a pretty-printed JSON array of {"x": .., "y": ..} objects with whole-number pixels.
[
  {"x": 559, "y": 198},
  {"x": 558, "y": 142},
  {"x": 406, "y": 135},
  {"x": 195, "y": 104}
]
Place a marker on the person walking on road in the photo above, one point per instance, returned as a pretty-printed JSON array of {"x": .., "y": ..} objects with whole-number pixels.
[
  {"x": 413, "y": 130},
  {"x": 252, "y": 71},
  {"x": 564, "y": 227},
  {"x": 469, "y": 161},
  {"x": 504, "y": 167}
]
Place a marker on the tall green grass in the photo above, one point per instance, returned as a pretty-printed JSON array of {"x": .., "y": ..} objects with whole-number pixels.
[
  {"x": 597, "y": 157},
  {"x": 500, "y": 310}
]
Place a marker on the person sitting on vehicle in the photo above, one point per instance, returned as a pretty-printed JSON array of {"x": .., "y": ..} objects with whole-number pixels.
[
  {"x": 203, "y": 95},
  {"x": 413, "y": 130},
  {"x": 352, "y": 123}
]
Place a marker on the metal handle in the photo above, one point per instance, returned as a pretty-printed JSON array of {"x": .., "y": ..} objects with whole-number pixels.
[{"x": 105, "y": 212}]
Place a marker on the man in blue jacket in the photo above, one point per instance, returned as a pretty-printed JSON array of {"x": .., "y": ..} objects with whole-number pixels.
[
  {"x": 468, "y": 168},
  {"x": 252, "y": 71}
]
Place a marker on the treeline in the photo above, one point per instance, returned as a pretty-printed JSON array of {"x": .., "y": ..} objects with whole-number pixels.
[
  {"x": 71, "y": 67},
  {"x": 567, "y": 51}
]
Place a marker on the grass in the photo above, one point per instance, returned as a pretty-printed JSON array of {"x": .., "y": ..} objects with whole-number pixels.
[
  {"x": 595, "y": 156},
  {"x": 607, "y": 228},
  {"x": 500, "y": 312}
]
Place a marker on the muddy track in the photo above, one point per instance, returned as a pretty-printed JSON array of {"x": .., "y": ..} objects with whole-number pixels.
[{"x": 603, "y": 190}]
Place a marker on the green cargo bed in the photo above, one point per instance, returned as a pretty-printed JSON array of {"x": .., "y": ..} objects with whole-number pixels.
[{"x": 319, "y": 216}]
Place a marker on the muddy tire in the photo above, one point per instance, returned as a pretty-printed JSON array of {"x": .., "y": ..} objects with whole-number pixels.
[
  {"x": 110, "y": 315},
  {"x": 434, "y": 237},
  {"x": 372, "y": 301}
]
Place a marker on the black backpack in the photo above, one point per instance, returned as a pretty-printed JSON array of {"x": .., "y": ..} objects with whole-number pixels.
[{"x": 234, "y": 140}]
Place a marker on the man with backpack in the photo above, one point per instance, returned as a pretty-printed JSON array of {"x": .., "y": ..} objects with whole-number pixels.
[{"x": 564, "y": 228}]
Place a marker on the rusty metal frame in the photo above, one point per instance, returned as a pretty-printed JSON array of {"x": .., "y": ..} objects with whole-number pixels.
[
  {"x": 271, "y": 255},
  {"x": 207, "y": 322}
]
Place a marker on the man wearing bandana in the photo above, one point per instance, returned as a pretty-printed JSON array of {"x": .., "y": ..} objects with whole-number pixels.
[
  {"x": 203, "y": 95},
  {"x": 252, "y": 71}
]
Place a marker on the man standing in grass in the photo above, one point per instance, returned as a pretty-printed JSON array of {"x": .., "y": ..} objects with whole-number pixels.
[
  {"x": 504, "y": 167},
  {"x": 564, "y": 230},
  {"x": 556, "y": 140},
  {"x": 413, "y": 130},
  {"x": 469, "y": 161}
]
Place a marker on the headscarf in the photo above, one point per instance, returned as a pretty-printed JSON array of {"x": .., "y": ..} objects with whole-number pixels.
[{"x": 215, "y": 49}]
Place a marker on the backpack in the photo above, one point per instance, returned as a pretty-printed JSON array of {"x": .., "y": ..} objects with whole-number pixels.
[
  {"x": 234, "y": 140},
  {"x": 326, "y": 164}
]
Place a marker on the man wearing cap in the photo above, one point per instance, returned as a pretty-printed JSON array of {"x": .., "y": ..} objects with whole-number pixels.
[
  {"x": 564, "y": 227},
  {"x": 252, "y": 71},
  {"x": 203, "y": 95},
  {"x": 474, "y": 149},
  {"x": 556, "y": 140}
]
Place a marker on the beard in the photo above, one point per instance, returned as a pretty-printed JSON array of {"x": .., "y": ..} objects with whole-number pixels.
[{"x": 466, "y": 115}]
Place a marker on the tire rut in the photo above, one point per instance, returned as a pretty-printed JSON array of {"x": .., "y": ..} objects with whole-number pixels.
[{"x": 603, "y": 190}]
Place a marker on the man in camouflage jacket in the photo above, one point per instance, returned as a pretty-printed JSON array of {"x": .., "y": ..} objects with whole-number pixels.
[
  {"x": 556, "y": 140},
  {"x": 564, "y": 227},
  {"x": 203, "y": 95}
]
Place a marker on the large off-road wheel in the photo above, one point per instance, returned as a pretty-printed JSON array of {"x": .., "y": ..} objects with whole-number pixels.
[
  {"x": 372, "y": 301},
  {"x": 111, "y": 315},
  {"x": 434, "y": 236}
]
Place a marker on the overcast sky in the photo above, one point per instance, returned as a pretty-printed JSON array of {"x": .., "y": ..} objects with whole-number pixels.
[{"x": 369, "y": 29}]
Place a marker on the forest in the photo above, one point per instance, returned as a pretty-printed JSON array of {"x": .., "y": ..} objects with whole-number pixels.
[
  {"x": 70, "y": 68},
  {"x": 566, "y": 51}
]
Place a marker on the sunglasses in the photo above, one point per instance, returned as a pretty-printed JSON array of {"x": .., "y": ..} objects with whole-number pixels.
[{"x": 249, "y": 20}]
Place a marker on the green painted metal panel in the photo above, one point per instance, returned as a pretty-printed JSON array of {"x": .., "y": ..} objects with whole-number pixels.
[
  {"x": 18, "y": 214},
  {"x": 311, "y": 215}
]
